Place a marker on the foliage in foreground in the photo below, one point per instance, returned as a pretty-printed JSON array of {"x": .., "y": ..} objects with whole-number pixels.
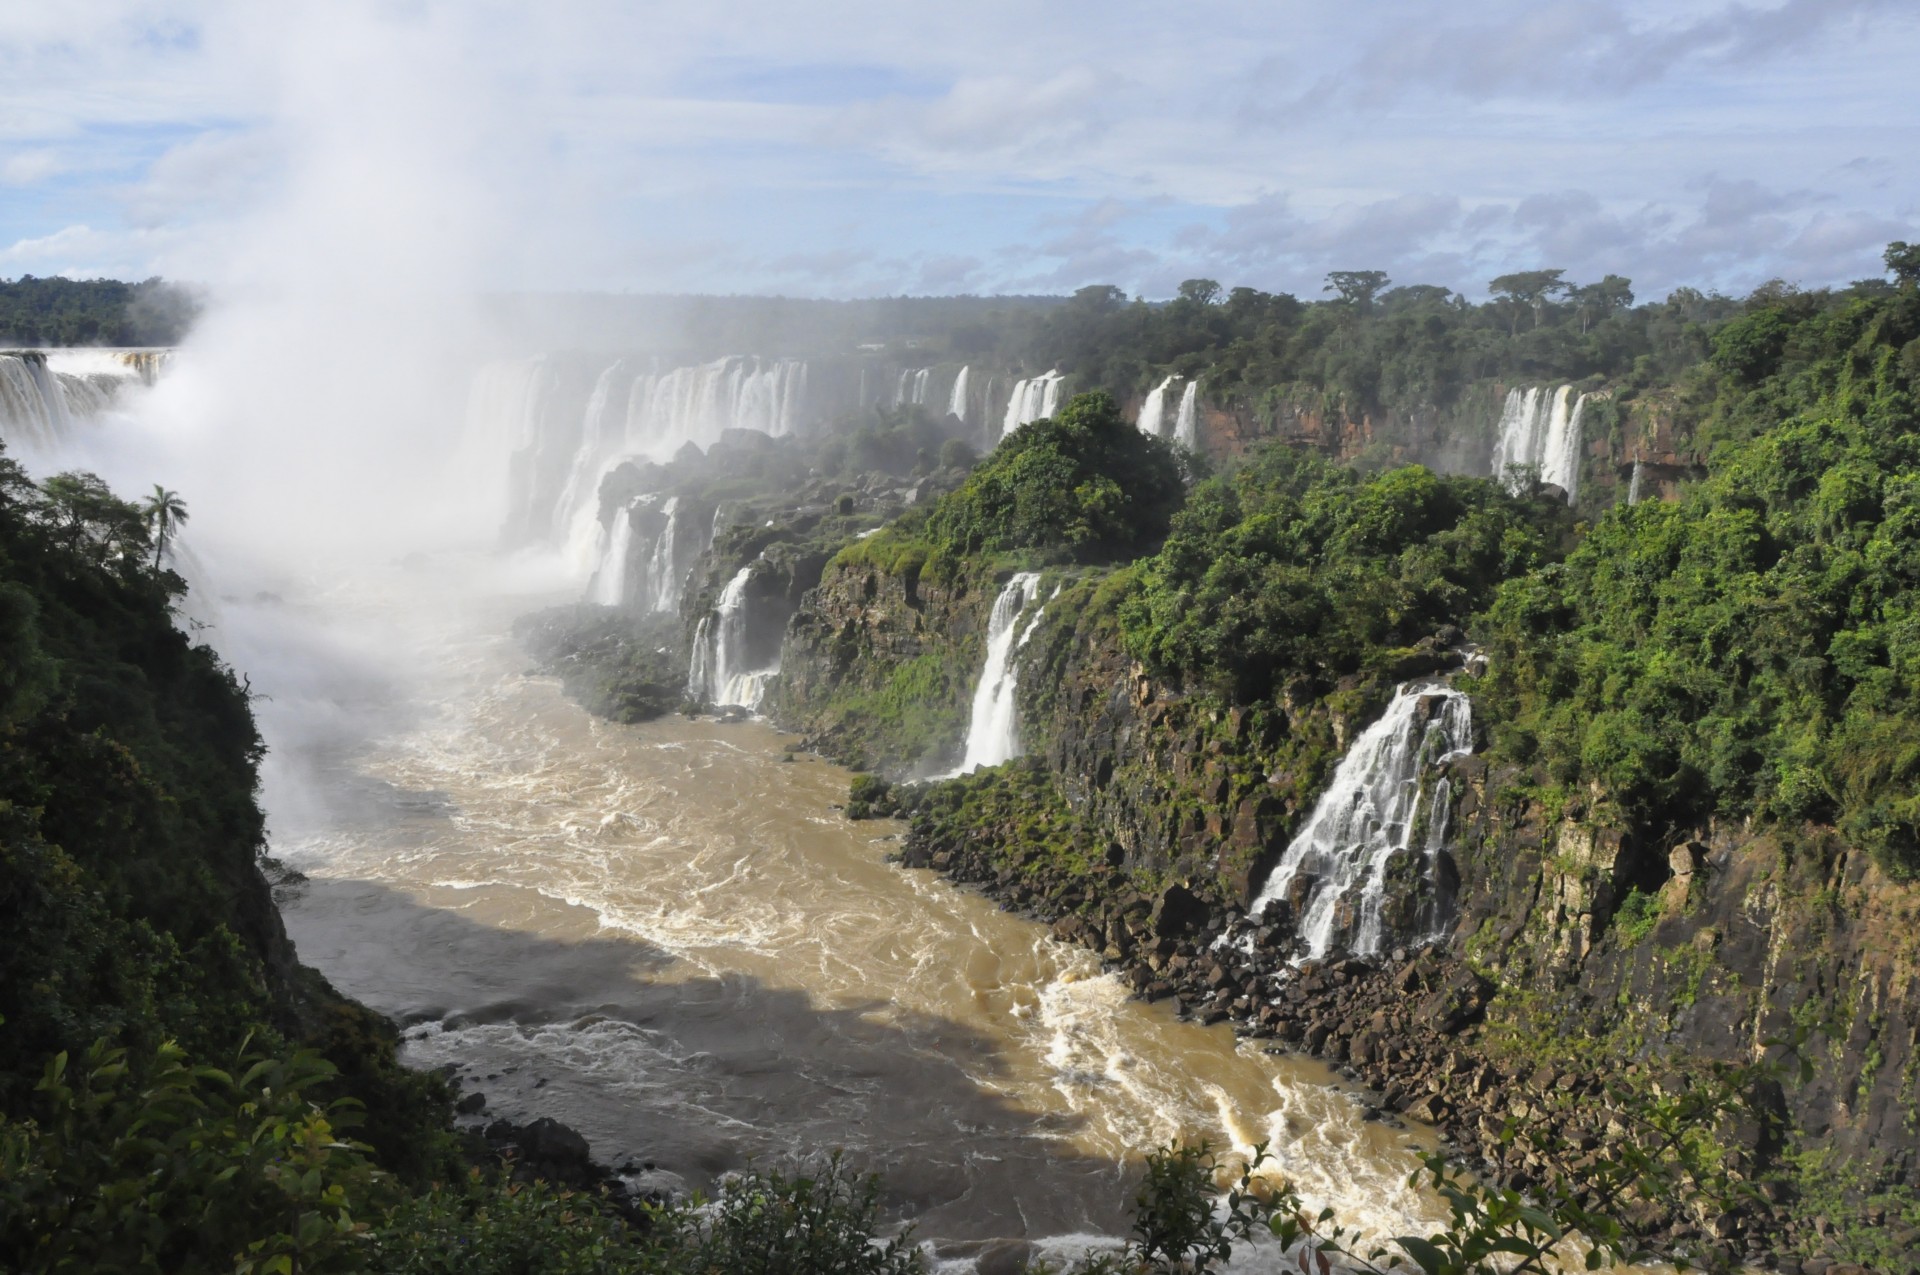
[{"x": 153, "y": 1164}]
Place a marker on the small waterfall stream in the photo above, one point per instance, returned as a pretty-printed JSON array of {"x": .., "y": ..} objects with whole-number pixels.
[
  {"x": 1186, "y": 425},
  {"x": 609, "y": 584},
  {"x": 993, "y": 734},
  {"x": 957, "y": 400},
  {"x": 1153, "y": 412},
  {"x": 720, "y": 673},
  {"x": 1034, "y": 399},
  {"x": 1334, "y": 873}
]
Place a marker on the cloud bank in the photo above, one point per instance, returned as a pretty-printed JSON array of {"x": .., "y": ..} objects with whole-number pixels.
[{"x": 857, "y": 148}]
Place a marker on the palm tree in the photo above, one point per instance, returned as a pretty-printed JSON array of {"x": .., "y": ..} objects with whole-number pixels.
[{"x": 165, "y": 513}]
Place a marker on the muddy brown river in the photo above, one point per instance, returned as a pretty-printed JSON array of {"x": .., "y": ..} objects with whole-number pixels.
[{"x": 666, "y": 936}]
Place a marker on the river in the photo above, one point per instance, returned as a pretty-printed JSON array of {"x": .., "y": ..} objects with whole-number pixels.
[{"x": 666, "y": 936}]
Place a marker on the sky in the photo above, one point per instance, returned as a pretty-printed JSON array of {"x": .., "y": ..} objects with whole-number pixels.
[{"x": 859, "y": 149}]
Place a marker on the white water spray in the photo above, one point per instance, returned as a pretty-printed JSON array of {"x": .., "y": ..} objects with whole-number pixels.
[
  {"x": 1542, "y": 431},
  {"x": 993, "y": 734},
  {"x": 1186, "y": 426},
  {"x": 719, "y": 674},
  {"x": 1033, "y": 399},
  {"x": 1367, "y": 817},
  {"x": 1153, "y": 412},
  {"x": 957, "y": 400}
]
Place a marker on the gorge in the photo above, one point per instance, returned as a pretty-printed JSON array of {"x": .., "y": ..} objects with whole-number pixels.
[{"x": 1322, "y": 792}]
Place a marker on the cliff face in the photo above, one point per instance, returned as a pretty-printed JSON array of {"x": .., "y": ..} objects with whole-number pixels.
[
  {"x": 1621, "y": 433},
  {"x": 1595, "y": 946},
  {"x": 877, "y": 666},
  {"x": 1710, "y": 948}
]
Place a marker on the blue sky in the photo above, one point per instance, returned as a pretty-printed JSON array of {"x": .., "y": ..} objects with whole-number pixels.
[{"x": 857, "y": 149}]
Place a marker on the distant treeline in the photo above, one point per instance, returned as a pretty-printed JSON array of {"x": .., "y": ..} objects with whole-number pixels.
[{"x": 94, "y": 312}]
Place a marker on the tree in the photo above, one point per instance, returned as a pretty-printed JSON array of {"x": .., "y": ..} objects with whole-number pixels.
[
  {"x": 1100, "y": 297},
  {"x": 1597, "y": 302},
  {"x": 1527, "y": 289},
  {"x": 165, "y": 514},
  {"x": 1200, "y": 291},
  {"x": 1903, "y": 262},
  {"x": 1357, "y": 288}
]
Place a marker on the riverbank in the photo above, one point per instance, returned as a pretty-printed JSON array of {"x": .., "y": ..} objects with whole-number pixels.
[{"x": 1411, "y": 1026}]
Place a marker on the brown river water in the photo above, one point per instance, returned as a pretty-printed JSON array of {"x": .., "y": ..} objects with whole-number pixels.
[{"x": 666, "y": 936}]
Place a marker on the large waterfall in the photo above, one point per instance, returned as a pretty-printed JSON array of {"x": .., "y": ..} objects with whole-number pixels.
[
  {"x": 1033, "y": 399},
  {"x": 563, "y": 447},
  {"x": 43, "y": 392},
  {"x": 993, "y": 733},
  {"x": 1542, "y": 431},
  {"x": 1186, "y": 425},
  {"x": 1153, "y": 412},
  {"x": 957, "y": 399},
  {"x": 1334, "y": 873},
  {"x": 724, "y": 671}
]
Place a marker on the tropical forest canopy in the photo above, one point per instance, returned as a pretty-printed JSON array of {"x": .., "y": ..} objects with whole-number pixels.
[{"x": 56, "y": 311}]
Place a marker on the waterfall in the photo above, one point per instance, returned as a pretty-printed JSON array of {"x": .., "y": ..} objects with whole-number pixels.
[
  {"x": 1186, "y": 426},
  {"x": 993, "y": 734},
  {"x": 644, "y": 562},
  {"x": 720, "y": 652},
  {"x": 1334, "y": 873},
  {"x": 912, "y": 387},
  {"x": 1633, "y": 487},
  {"x": 957, "y": 400},
  {"x": 33, "y": 410},
  {"x": 561, "y": 439},
  {"x": 576, "y": 514},
  {"x": 609, "y": 584},
  {"x": 1543, "y": 432},
  {"x": 1033, "y": 399},
  {"x": 44, "y": 392},
  {"x": 697, "y": 404},
  {"x": 1153, "y": 412}
]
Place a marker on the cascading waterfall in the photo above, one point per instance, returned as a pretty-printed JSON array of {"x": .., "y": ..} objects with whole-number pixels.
[
  {"x": 1334, "y": 873},
  {"x": 525, "y": 408},
  {"x": 912, "y": 387},
  {"x": 43, "y": 392},
  {"x": 1543, "y": 432},
  {"x": 1033, "y": 399},
  {"x": 957, "y": 399},
  {"x": 609, "y": 584},
  {"x": 1186, "y": 426},
  {"x": 576, "y": 513},
  {"x": 33, "y": 410},
  {"x": 719, "y": 674},
  {"x": 993, "y": 733},
  {"x": 1153, "y": 412},
  {"x": 644, "y": 562},
  {"x": 1633, "y": 487}
]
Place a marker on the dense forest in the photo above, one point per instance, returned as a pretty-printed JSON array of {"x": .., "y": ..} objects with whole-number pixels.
[{"x": 57, "y": 311}]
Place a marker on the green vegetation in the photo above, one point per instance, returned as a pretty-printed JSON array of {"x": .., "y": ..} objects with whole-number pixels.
[
  {"x": 1293, "y": 566},
  {"x": 1370, "y": 346},
  {"x": 93, "y": 312},
  {"x": 1751, "y": 649},
  {"x": 1084, "y": 486}
]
